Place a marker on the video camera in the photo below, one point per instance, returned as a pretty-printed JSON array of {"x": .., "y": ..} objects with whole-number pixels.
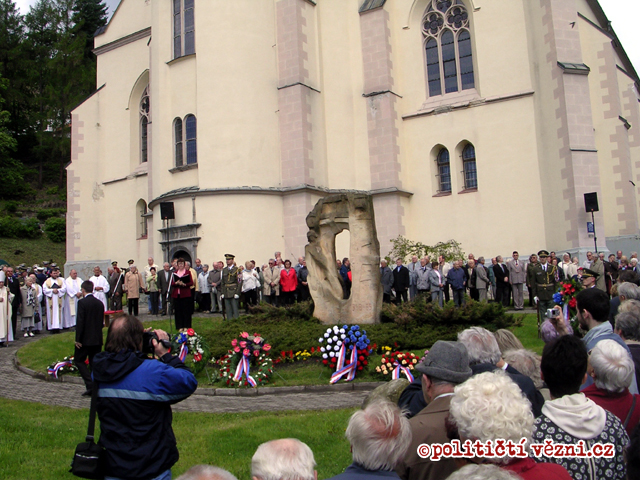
[{"x": 147, "y": 342}]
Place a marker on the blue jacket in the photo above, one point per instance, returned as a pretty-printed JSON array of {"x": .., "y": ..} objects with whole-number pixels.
[
  {"x": 134, "y": 407},
  {"x": 356, "y": 472},
  {"x": 456, "y": 278}
]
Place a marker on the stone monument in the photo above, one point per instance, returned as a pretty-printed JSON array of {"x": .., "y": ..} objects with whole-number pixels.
[{"x": 330, "y": 216}]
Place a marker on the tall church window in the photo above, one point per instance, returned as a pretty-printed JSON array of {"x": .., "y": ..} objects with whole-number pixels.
[
  {"x": 185, "y": 136},
  {"x": 469, "y": 167},
  {"x": 144, "y": 125},
  {"x": 447, "y": 44},
  {"x": 183, "y": 28},
  {"x": 444, "y": 171}
]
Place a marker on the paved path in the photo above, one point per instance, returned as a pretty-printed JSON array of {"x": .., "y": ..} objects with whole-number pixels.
[{"x": 17, "y": 385}]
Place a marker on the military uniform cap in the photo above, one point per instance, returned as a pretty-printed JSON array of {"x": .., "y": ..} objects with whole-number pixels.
[
  {"x": 131, "y": 262},
  {"x": 228, "y": 256},
  {"x": 54, "y": 265},
  {"x": 586, "y": 273},
  {"x": 114, "y": 263},
  {"x": 543, "y": 253},
  {"x": 45, "y": 263}
]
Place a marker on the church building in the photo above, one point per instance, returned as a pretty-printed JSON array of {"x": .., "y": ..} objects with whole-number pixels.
[{"x": 483, "y": 121}]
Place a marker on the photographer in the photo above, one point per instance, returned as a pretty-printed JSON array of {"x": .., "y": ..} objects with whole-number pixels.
[{"x": 135, "y": 394}]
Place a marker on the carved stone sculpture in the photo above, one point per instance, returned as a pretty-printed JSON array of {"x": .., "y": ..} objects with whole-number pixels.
[{"x": 330, "y": 216}]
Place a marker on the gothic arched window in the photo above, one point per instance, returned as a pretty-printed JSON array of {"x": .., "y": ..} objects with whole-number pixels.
[
  {"x": 185, "y": 137},
  {"x": 447, "y": 44},
  {"x": 144, "y": 125},
  {"x": 469, "y": 167},
  {"x": 444, "y": 171}
]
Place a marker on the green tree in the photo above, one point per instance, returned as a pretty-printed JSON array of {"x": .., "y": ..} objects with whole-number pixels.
[
  {"x": 405, "y": 248},
  {"x": 10, "y": 169}
]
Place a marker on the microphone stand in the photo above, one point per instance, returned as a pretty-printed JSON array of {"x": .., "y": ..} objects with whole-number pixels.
[{"x": 170, "y": 306}]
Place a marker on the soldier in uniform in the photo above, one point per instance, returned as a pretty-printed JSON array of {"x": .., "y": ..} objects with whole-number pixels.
[
  {"x": 231, "y": 287},
  {"x": 543, "y": 281},
  {"x": 588, "y": 277}
]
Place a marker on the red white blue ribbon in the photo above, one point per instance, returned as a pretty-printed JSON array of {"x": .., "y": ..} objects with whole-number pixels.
[
  {"x": 243, "y": 367},
  {"x": 400, "y": 369},
  {"x": 341, "y": 369},
  {"x": 183, "y": 351},
  {"x": 56, "y": 368}
]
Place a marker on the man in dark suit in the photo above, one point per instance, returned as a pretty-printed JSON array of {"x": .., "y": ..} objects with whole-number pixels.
[
  {"x": 89, "y": 320},
  {"x": 502, "y": 282},
  {"x": 401, "y": 281},
  {"x": 164, "y": 280}
]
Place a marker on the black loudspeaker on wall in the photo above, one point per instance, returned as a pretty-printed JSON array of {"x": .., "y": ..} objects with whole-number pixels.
[
  {"x": 591, "y": 202},
  {"x": 166, "y": 211}
]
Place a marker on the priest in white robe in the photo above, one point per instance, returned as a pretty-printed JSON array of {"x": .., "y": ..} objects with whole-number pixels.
[
  {"x": 55, "y": 290},
  {"x": 74, "y": 293},
  {"x": 6, "y": 329},
  {"x": 100, "y": 287}
]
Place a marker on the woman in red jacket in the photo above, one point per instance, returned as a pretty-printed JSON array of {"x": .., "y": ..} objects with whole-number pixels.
[{"x": 288, "y": 283}]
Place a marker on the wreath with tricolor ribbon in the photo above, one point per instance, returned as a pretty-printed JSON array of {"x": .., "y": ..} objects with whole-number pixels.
[
  {"x": 247, "y": 364},
  {"x": 346, "y": 350},
  {"x": 192, "y": 349}
]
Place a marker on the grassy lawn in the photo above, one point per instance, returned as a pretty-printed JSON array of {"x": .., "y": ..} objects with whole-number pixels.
[
  {"x": 38, "y": 355},
  {"x": 35, "y": 251},
  {"x": 38, "y": 441}
]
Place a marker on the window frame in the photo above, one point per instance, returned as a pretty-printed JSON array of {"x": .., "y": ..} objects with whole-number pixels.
[
  {"x": 440, "y": 174},
  {"x": 471, "y": 163},
  {"x": 187, "y": 146},
  {"x": 442, "y": 27},
  {"x": 179, "y": 17}
]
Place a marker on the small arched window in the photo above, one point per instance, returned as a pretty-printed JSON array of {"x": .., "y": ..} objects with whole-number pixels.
[
  {"x": 144, "y": 125},
  {"x": 469, "y": 167},
  {"x": 141, "y": 224},
  {"x": 447, "y": 44},
  {"x": 444, "y": 171},
  {"x": 185, "y": 137},
  {"x": 177, "y": 135},
  {"x": 191, "y": 130}
]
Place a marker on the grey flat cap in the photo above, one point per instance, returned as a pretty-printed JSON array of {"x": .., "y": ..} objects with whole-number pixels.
[{"x": 447, "y": 361}]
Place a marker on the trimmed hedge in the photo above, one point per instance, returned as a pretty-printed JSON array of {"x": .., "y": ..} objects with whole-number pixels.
[{"x": 412, "y": 326}]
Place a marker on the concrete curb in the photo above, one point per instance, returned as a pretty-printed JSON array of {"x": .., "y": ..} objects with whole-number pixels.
[{"x": 225, "y": 392}]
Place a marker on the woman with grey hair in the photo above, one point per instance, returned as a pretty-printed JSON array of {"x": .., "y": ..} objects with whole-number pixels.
[
  {"x": 29, "y": 298},
  {"x": 612, "y": 369},
  {"x": 490, "y": 406},
  {"x": 379, "y": 436}
]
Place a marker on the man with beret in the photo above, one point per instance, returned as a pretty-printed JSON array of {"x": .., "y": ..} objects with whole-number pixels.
[
  {"x": 445, "y": 366},
  {"x": 543, "y": 282},
  {"x": 231, "y": 287}
]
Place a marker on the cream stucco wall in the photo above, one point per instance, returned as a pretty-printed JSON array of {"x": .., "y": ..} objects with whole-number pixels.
[{"x": 284, "y": 93}]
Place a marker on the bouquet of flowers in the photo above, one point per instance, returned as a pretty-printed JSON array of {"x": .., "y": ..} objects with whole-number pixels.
[
  {"x": 57, "y": 369},
  {"x": 566, "y": 297},
  {"x": 247, "y": 351},
  {"x": 397, "y": 364},
  {"x": 291, "y": 356},
  {"x": 345, "y": 350},
  {"x": 193, "y": 349}
]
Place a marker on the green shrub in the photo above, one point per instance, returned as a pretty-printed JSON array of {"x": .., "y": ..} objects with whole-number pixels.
[
  {"x": 46, "y": 213},
  {"x": 52, "y": 191},
  {"x": 56, "y": 229},
  {"x": 11, "y": 206},
  {"x": 19, "y": 228}
]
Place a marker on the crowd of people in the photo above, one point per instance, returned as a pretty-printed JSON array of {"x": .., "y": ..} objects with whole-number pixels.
[{"x": 503, "y": 282}]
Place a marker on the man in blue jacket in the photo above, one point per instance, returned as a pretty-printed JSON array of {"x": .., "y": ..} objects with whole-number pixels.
[
  {"x": 135, "y": 395},
  {"x": 457, "y": 278}
]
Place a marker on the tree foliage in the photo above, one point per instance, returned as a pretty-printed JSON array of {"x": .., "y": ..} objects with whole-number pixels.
[
  {"x": 405, "y": 248},
  {"x": 46, "y": 58}
]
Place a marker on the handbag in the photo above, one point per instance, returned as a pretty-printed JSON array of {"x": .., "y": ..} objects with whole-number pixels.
[{"x": 89, "y": 458}]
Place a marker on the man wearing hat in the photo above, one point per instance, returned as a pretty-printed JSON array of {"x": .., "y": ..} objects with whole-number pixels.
[
  {"x": 543, "y": 282},
  {"x": 445, "y": 366},
  {"x": 588, "y": 277},
  {"x": 231, "y": 287}
]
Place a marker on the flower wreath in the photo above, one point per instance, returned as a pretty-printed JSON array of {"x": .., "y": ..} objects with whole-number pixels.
[
  {"x": 59, "y": 368},
  {"x": 566, "y": 297},
  {"x": 346, "y": 350},
  {"x": 192, "y": 349},
  {"x": 397, "y": 364},
  {"x": 249, "y": 353}
]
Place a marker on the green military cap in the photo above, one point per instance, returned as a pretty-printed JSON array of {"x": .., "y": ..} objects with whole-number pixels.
[
  {"x": 114, "y": 263},
  {"x": 543, "y": 253},
  {"x": 228, "y": 256},
  {"x": 586, "y": 273},
  {"x": 131, "y": 262}
]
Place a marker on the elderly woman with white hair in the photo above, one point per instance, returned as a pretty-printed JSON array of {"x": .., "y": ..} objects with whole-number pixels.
[
  {"x": 490, "y": 406},
  {"x": 379, "y": 436},
  {"x": 283, "y": 459},
  {"x": 612, "y": 370}
]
